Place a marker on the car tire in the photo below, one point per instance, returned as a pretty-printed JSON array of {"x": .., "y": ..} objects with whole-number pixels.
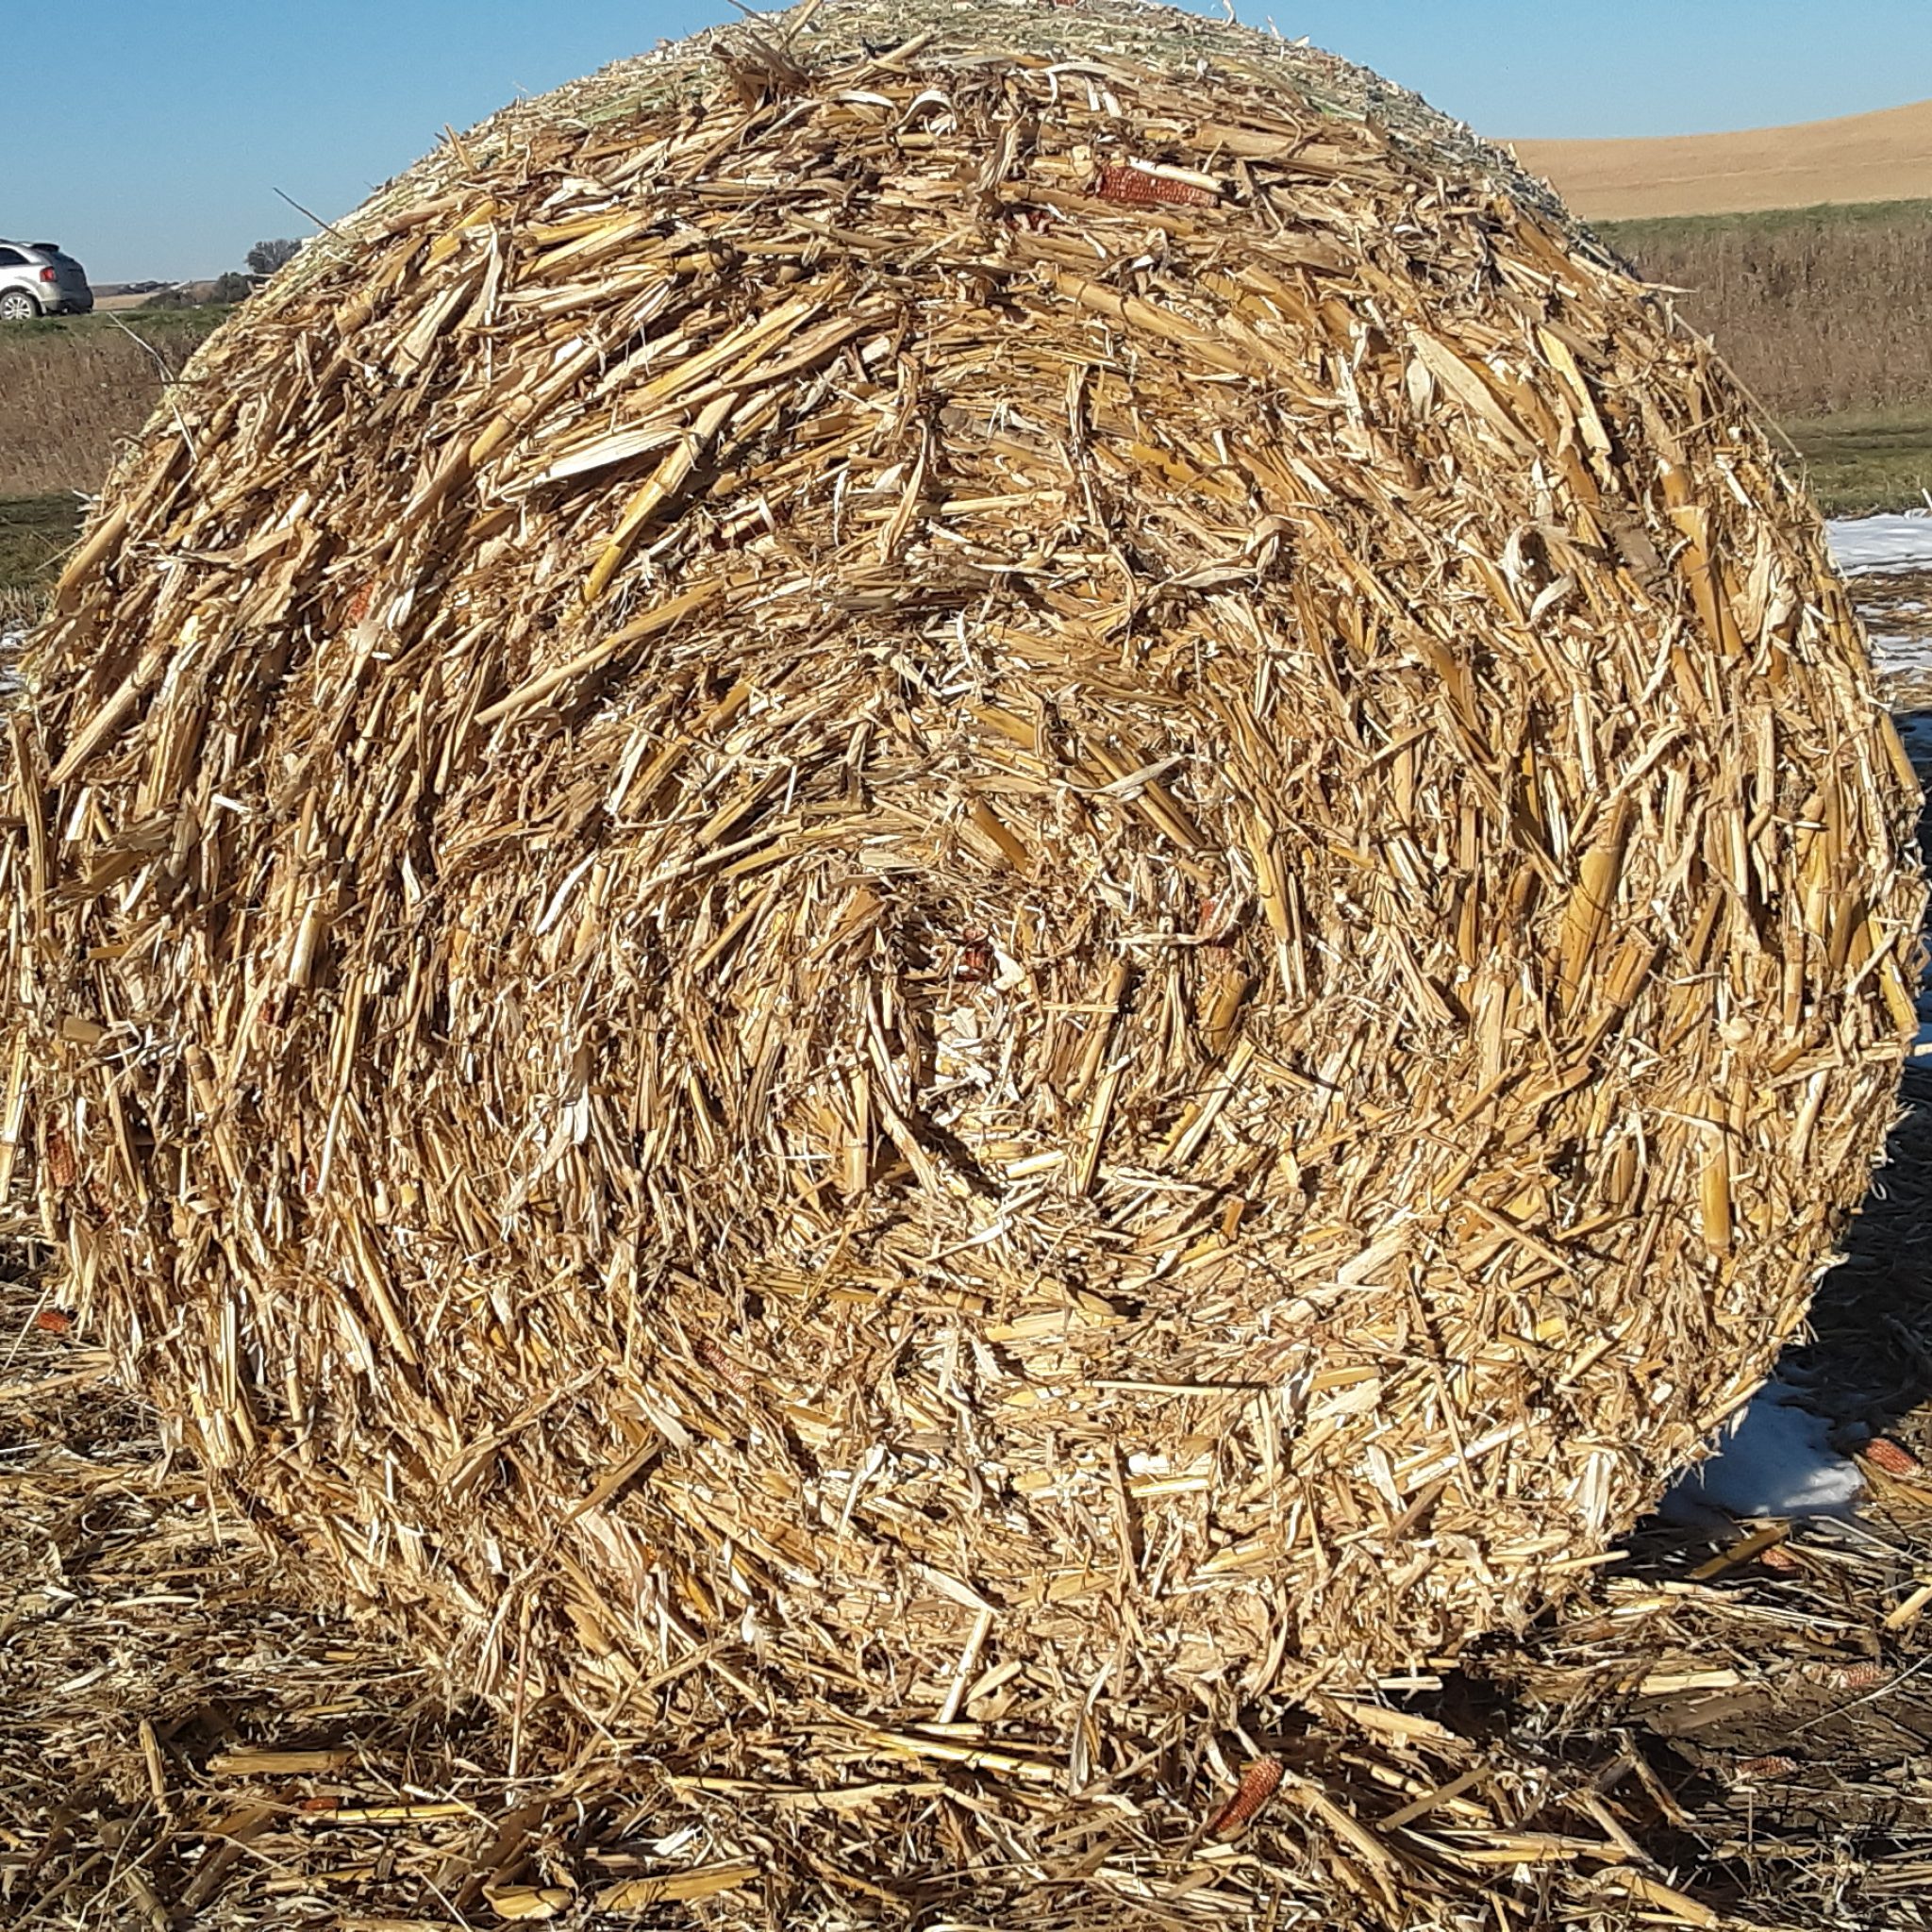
[{"x": 17, "y": 304}]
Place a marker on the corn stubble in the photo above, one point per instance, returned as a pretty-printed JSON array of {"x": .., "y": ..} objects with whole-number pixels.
[{"x": 822, "y": 922}]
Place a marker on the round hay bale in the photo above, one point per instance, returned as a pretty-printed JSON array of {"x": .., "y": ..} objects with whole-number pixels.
[{"x": 966, "y": 858}]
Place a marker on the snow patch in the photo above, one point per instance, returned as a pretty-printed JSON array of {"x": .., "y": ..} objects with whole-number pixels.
[
  {"x": 1896, "y": 657},
  {"x": 1866, "y": 545},
  {"x": 1773, "y": 1459}
]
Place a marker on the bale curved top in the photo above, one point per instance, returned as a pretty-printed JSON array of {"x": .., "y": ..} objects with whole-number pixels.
[{"x": 954, "y": 875}]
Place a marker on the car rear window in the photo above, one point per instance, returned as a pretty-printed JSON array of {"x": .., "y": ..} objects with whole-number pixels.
[{"x": 12, "y": 257}]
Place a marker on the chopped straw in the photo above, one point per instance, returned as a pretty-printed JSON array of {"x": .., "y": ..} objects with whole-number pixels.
[{"x": 962, "y": 877}]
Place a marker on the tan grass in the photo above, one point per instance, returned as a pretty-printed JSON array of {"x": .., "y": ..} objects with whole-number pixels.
[
  {"x": 73, "y": 393},
  {"x": 1821, "y": 312}
]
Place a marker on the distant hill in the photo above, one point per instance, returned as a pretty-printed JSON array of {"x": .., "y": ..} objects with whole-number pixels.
[{"x": 1862, "y": 157}]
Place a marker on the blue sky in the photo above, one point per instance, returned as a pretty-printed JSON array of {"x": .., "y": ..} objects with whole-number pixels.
[{"x": 165, "y": 129}]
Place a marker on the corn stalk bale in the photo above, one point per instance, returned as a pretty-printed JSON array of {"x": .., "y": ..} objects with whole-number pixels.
[{"x": 952, "y": 872}]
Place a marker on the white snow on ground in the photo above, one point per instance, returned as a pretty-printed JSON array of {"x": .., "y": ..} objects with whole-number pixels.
[
  {"x": 1890, "y": 548},
  {"x": 1865, "y": 544},
  {"x": 1894, "y": 656},
  {"x": 1773, "y": 1460},
  {"x": 1897, "y": 551}
]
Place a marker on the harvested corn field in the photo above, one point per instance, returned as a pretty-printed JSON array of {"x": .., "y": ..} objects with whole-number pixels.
[
  {"x": 1855, "y": 159},
  {"x": 1017, "y": 898}
]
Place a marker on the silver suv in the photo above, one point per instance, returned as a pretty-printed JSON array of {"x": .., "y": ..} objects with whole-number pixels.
[{"x": 37, "y": 279}]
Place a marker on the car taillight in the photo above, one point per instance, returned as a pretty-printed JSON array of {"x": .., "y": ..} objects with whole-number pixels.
[{"x": 47, "y": 275}]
